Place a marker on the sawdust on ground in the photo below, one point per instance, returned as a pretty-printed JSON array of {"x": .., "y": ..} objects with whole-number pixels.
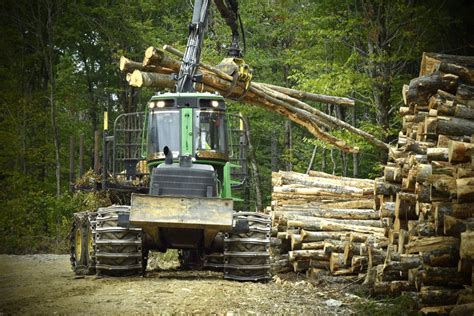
[{"x": 45, "y": 284}]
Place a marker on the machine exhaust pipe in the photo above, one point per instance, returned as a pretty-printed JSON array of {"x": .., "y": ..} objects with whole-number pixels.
[{"x": 168, "y": 155}]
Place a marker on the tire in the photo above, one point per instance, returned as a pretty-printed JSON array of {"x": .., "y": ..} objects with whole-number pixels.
[
  {"x": 247, "y": 255},
  {"x": 119, "y": 250},
  {"x": 82, "y": 249}
]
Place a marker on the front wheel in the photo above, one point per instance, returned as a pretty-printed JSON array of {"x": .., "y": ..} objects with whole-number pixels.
[
  {"x": 247, "y": 255},
  {"x": 119, "y": 250}
]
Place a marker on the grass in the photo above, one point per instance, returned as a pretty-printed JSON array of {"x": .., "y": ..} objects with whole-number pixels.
[{"x": 388, "y": 306}]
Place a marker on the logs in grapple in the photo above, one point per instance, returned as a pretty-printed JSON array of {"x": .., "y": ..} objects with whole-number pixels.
[{"x": 157, "y": 66}]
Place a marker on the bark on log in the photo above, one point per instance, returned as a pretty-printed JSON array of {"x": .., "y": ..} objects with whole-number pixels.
[
  {"x": 359, "y": 263},
  {"x": 331, "y": 246},
  {"x": 423, "y": 244},
  {"x": 437, "y": 310},
  {"x": 438, "y": 154},
  {"x": 142, "y": 79},
  {"x": 421, "y": 88},
  {"x": 309, "y": 236},
  {"x": 430, "y": 62},
  {"x": 307, "y": 254},
  {"x": 385, "y": 188},
  {"x": 445, "y": 257},
  {"x": 454, "y": 226},
  {"x": 465, "y": 95},
  {"x": 467, "y": 245},
  {"x": 336, "y": 262},
  {"x": 462, "y": 310},
  {"x": 393, "y": 174},
  {"x": 443, "y": 276},
  {"x": 321, "y": 181},
  {"x": 465, "y": 190},
  {"x": 317, "y": 245},
  {"x": 434, "y": 295},
  {"x": 460, "y": 151},
  {"x": 359, "y": 204},
  {"x": 319, "y": 264},
  {"x": 454, "y": 126},
  {"x": 387, "y": 209},
  {"x": 302, "y": 95},
  {"x": 337, "y": 226}
]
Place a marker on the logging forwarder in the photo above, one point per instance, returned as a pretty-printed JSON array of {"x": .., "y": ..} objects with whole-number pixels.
[{"x": 186, "y": 202}]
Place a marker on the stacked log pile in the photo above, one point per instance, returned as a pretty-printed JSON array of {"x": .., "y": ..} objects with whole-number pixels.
[
  {"x": 427, "y": 192},
  {"x": 326, "y": 224}
]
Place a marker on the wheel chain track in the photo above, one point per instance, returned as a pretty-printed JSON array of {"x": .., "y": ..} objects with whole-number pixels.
[
  {"x": 247, "y": 255},
  {"x": 118, "y": 250}
]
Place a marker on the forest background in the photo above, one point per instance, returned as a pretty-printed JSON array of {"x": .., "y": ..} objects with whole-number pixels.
[{"x": 59, "y": 73}]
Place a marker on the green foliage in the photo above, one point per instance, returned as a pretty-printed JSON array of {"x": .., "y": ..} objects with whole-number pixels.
[
  {"x": 401, "y": 305},
  {"x": 336, "y": 47}
]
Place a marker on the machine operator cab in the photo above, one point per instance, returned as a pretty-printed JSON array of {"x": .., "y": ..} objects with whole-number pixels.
[{"x": 187, "y": 150}]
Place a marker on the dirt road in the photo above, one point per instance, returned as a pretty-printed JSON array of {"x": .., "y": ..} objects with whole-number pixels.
[{"x": 44, "y": 284}]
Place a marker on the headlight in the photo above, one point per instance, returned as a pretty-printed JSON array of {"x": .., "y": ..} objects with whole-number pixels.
[{"x": 215, "y": 103}]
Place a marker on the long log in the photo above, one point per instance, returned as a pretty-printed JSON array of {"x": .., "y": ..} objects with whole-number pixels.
[
  {"x": 434, "y": 295},
  {"x": 150, "y": 79},
  {"x": 289, "y": 177},
  {"x": 437, "y": 310},
  {"x": 329, "y": 190},
  {"x": 444, "y": 257},
  {"x": 213, "y": 83},
  {"x": 355, "y": 214},
  {"x": 309, "y": 236},
  {"x": 307, "y": 254},
  {"x": 302, "y": 95},
  {"x": 420, "y": 89},
  {"x": 423, "y": 244},
  {"x": 443, "y": 276},
  {"x": 315, "y": 223},
  {"x": 257, "y": 88},
  {"x": 317, "y": 245},
  {"x": 454, "y": 126},
  {"x": 464, "y": 95},
  {"x": 430, "y": 62},
  {"x": 337, "y": 226},
  {"x": 128, "y": 66},
  {"x": 352, "y": 204}
]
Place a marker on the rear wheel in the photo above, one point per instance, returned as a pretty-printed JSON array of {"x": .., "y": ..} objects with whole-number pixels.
[
  {"x": 191, "y": 259},
  {"x": 82, "y": 251},
  {"x": 247, "y": 255},
  {"x": 119, "y": 250}
]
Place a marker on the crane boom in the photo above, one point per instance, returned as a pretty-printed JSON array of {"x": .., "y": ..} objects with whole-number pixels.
[{"x": 192, "y": 55}]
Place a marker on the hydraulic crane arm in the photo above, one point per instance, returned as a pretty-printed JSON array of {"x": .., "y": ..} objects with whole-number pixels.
[
  {"x": 229, "y": 11},
  {"x": 192, "y": 54}
]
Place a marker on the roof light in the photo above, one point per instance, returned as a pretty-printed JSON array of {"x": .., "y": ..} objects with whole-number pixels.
[{"x": 215, "y": 103}]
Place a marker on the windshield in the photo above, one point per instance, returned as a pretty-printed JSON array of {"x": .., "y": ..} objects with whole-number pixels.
[
  {"x": 163, "y": 130},
  {"x": 210, "y": 132}
]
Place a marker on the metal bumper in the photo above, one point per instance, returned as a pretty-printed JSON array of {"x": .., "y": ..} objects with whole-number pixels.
[{"x": 181, "y": 212}]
